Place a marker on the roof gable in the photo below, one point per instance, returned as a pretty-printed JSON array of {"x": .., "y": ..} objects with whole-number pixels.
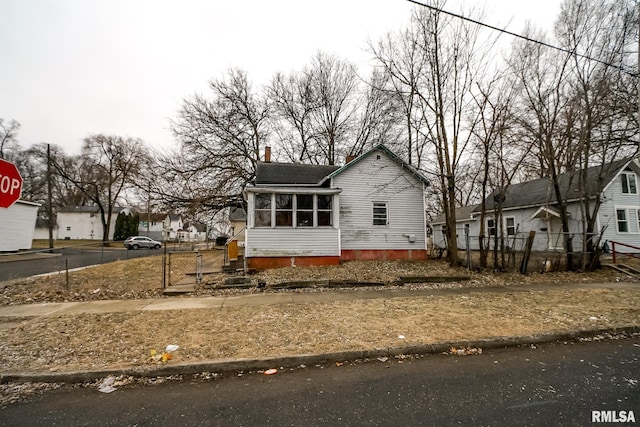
[{"x": 381, "y": 147}]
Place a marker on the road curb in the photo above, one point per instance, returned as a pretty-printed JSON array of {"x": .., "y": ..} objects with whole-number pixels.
[{"x": 245, "y": 365}]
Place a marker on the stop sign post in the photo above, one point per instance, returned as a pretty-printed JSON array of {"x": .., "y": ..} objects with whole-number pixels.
[{"x": 10, "y": 184}]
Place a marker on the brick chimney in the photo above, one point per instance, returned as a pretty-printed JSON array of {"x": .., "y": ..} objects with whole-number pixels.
[{"x": 267, "y": 154}]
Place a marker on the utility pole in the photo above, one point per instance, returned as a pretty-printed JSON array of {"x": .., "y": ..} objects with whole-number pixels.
[{"x": 49, "y": 197}]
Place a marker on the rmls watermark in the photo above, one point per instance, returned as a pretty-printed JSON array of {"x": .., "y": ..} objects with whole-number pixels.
[{"x": 613, "y": 417}]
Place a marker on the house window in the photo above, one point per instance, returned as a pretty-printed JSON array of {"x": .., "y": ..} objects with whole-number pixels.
[
  {"x": 491, "y": 226},
  {"x": 263, "y": 210},
  {"x": 304, "y": 210},
  {"x": 629, "y": 183},
  {"x": 511, "y": 226},
  {"x": 623, "y": 226},
  {"x": 284, "y": 210},
  {"x": 628, "y": 219},
  {"x": 325, "y": 210},
  {"x": 380, "y": 213},
  {"x": 69, "y": 228},
  {"x": 293, "y": 210}
]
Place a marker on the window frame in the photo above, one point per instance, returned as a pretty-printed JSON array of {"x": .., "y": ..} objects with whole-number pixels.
[
  {"x": 507, "y": 227},
  {"x": 380, "y": 205},
  {"x": 627, "y": 178},
  {"x": 274, "y": 210},
  {"x": 631, "y": 219}
]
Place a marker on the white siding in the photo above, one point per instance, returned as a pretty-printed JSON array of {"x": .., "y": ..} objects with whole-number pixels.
[
  {"x": 377, "y": 178},
  {"x": 17, "y": 226},
  {"x": 83, "y": 225},
  {"x": 616, "y": 199},
  {"x": 277, "y": 242}
]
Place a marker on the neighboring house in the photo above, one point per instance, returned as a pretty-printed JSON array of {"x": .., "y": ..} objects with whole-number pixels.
[
  {"x": 193, "y": 232},
  {"x": 238, "y": 221},
  {"x": 42, "y": 230},
  {"x": 371, "y": 208},
  {"x": 172, "y": 225},
  {"x": 530, "y": 206},
  {"x": 17, "y": 226},
  {"x": 152, "y": 225},
  {"x": 83, "y": 222}
]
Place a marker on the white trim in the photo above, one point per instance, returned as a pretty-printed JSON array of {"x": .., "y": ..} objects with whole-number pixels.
[
  {"x": 628, "y": 218},
  {"x": 293, "y": 190}
]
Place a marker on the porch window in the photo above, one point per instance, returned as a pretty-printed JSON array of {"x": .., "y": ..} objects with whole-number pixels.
[
  {"x": 380, "y": 214},
  {"x": 284, "y": 210},
  {"x": 263, "y": 210},
  {"x": 304, "y": 210},
  {"x": 629, "y": 183},
  {"x": 293, "y": 210},
  {"x": 511, "y": 226},
  {"x": 325, "y": 210}
]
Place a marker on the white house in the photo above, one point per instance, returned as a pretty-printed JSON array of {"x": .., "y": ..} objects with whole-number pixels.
[
  {"x": 193, "y": 232},
  {"x": 17, "y": 226},
  {"x": 152, "y": 225},
  {"x": 371, "y": 208},
  {"x": 83, "y": 222},
  {"x": 172, "y": 225},
  {"x": 531, "y": 206}
]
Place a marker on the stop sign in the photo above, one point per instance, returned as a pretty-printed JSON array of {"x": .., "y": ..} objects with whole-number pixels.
[{"x": 10, "y": 184}]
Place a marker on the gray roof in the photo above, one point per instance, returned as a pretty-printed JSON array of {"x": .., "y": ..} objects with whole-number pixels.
[
  {"x": 291, "y": 174},
  {"x": 463, "y": 213},
  {"x": 540, "y": 191}
]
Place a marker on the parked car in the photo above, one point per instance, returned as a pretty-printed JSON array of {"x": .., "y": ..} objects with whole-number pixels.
[{"x": 137, "y": 242}]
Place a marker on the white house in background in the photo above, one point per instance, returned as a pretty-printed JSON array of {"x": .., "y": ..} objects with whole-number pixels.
[
  {"x": 83, "y": 222},
  {"x": 17, "y": 226},
  {"x": 152, "y": 225},
  {"x": 193, "y": 232},
  {"x": 531, "y": 206},
  {"x": 371, "y": 208},
  {"x": 172, "y": 225}
]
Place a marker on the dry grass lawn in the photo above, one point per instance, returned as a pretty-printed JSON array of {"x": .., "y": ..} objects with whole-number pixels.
[{"x": 121, "y": 340}]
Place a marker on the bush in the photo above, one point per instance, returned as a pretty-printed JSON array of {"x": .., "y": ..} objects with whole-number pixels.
[{"x": 221, "y": 240}]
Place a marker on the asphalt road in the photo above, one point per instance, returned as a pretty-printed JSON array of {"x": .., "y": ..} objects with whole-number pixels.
[
  {"x": 556, "y": 384},
  {"x": 71, "y": 257}
]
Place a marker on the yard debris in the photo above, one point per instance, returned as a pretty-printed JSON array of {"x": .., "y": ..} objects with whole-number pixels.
[
  {"x": 271, "y": 371},
  {"x": 165, "y": 356},
  {"x": 465, "y": 351},
  {"x": 383, "y": 359},
  {"x": 401, "y": 337},
  {"x": 107, "y": 385}
]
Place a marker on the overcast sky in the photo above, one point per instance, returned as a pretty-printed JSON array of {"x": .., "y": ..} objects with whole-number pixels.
[{"x": 70, "y": 68}]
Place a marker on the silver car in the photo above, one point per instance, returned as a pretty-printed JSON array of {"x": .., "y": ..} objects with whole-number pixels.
[{"x": 138, "y": 242}]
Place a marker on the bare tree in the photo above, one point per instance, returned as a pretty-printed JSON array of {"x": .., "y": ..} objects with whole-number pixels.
[
  {"x": 221, "y": 140},
  {"x": 106, "y": 166},
  {"x": 335, "y": 86},
  {"x": 435, "y": 82},
  {"x": 8, "y": 141},
  {"x": 600, "y": 116}
]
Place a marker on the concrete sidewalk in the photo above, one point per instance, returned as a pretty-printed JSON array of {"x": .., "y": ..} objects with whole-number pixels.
[{"x": 268, "y": 298}]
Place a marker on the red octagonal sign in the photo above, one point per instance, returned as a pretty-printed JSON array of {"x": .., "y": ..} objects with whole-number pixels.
[{"x": 10, "y": 184}]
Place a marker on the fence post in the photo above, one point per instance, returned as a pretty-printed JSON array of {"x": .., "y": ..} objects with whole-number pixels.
[
  {"x": 613, "y": 251},
  {"x": 527, "y": 252},
  {"x": 467, "y": 241}
]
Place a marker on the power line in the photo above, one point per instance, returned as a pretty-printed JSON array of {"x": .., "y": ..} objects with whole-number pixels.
[{"x": 571, "y": 52}]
